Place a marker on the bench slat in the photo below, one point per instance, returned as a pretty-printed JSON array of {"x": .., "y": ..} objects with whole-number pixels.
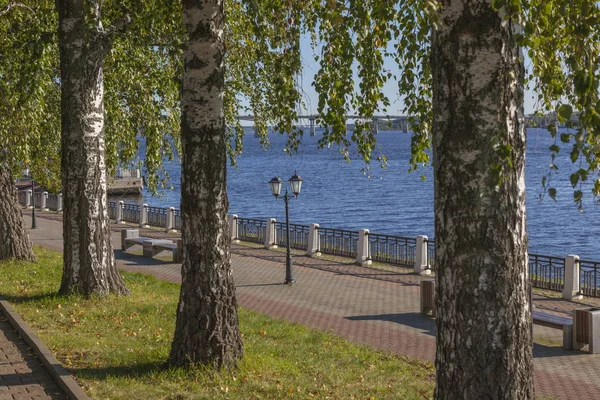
[{"x": 551, "y": 320}]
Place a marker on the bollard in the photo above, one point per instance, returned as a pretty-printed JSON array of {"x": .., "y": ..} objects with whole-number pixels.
[
  {"x": 313, "y": 249},
  {"x": 571, "y": 288},
  {"x": 28, "y": 199},
  {"x": 421, "y": 261},
  {"x": 119, "y": 212},
  {"x": 44, "y": 201},
  {"x": 59, "y": 202},
  {"x": 233, "y": 228},
  {"x": 170, "y": 225},
  {"x": 144, "y": 216},
  {"x": 270, "y": 234},
  {"x": 362, "y": 253}
]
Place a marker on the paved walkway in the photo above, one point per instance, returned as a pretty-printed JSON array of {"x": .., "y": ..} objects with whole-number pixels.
[
  {"x": 376, "y": 307},
  {"x": 22, "y": 375}
]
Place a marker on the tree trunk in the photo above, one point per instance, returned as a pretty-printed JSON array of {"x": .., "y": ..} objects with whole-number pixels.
[
  {"x": 14, "y": 238},
  {"x": 207, "y": 329},
  {"x": 483, "y": 320},
  {"x": 89, "y": 264}
]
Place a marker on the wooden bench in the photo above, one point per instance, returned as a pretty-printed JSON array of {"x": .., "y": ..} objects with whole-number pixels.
[
  {"x": 151, "y": 246},
  {"x": 556, "y": 322}
]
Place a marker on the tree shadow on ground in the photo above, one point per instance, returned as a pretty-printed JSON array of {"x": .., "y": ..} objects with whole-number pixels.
[
  {"x": 32, "y": 298},
  {"x": 412, "y": 319},
  {"x": 138, "y": 259}
]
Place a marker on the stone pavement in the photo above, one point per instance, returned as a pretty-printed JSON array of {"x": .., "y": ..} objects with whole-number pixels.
[
  {"x": 22, "y": 375},
  {"x": 376, "y": 307}
]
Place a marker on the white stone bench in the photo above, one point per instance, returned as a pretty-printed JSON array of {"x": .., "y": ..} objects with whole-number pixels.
[
  {"x": 557, "y": 322},
  {"x": 150, "y": 246}
]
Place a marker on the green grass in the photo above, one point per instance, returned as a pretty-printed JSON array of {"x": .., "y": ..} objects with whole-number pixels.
[{"x": 117, "y": 346}]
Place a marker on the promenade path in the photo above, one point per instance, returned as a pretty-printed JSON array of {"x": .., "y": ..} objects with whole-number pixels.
[{"x": 377, "y": 307}]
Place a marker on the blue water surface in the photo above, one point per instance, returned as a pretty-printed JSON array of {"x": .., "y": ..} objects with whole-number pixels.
[{"x": 341, "y": 195}]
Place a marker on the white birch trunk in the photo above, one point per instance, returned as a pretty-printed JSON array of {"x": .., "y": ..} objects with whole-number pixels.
[
  {"x": 207, "y": 330},
  {"x": 89, "y": 264},
  {"x": 483, "y": 319}
]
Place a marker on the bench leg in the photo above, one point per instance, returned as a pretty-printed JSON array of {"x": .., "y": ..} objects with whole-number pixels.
[
  {"x": 128, "y": 234},
  {"x": 567, "y": 337},
  {"x": 148, "y": 249}
]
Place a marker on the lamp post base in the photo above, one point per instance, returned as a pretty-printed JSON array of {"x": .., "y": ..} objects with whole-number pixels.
[{"x": 289, "y": 281}]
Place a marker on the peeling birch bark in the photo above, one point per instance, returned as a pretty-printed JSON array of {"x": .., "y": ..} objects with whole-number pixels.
[
  {"x": 89, "y": 264},
  {"x": 483, "y": 320},
  {"x": 207, "y": 329}
]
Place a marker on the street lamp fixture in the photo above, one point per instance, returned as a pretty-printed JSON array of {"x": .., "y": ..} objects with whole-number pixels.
[
  {"x": 33, "y": 222},
  {"x": 276, "y": 185}
]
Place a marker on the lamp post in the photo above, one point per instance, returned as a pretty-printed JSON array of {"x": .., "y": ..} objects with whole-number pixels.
[
  {"x": 33, "y": 224},
  {"x": 296, "y": 184}
]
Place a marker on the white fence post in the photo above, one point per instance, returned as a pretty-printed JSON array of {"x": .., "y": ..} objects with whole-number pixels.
[
  {"x": 28, "y": 202},
  {"x": 59, "y": 202},
  {"x": 144, "y": 216},
  {"x": 571, "y": 288},
  {"x": 44, "y": 205},
  {"x": 233, "y": 228},
  {"x": 270, "y": 234},
  {"x": 421, "y": 261},
  {"x": 119, "y": 212},
  {"x": 362, "y": 253},
  {"x": 170, "y": 219},
  {"x": 313, "y": 241}
]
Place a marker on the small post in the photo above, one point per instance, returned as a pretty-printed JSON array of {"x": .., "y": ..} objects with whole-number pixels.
[
  {"x": 233, "y": 228},
  {"x": 28, "y": 199},
  {"x": 44, "y": 202},
  {"x": 170, "y": 220},
  {"x": 270, "y": 234},
  {"x": 313, "y": 241},
  {"x": 119, "y": 210},
  {"x": 362, "y": 253},
  {"x": 571, "y": 288},
  {"x": 144, "y": 216},
  {"x": 421, "y": 261},
  {"x": 59, "y": 202}
]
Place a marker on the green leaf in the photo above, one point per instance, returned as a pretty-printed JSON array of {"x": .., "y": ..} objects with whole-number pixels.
[
  {"x": 565, "y": 111},
  {"x": 574, "y": 179},
  {"x": 554, "y": 148},
  {"x": 552, "y": 193},
  {"x": 565, "y": 137}
]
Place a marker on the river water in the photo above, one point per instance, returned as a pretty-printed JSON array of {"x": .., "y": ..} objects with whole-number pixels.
[{"x": 340, "y": 195}]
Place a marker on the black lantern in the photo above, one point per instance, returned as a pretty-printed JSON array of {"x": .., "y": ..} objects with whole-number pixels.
[
  {"x": 296, "y": 183},
  {"x": 276, "y": 184}
]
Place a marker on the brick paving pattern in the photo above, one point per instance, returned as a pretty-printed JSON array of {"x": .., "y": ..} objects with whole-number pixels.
[
  {"x": 22, "y": 376},
  {"x": 376, "y": 307}
]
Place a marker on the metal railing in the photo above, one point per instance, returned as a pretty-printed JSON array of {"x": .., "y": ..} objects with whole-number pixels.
[
  {"x": 177, "y": 220},
  {"x": 589, "y": 275},
  {"x": 392, "y": 249},
  {"x": 112, "y": 209},
  {"x": 252, "y": 230},
  {"x": 338, "y": 242},
  {"x": 547, "y": 272},
  {"x": 52, "y": 202},
  {"x": 298, "y": 235},
  {"x": 431, "y": 253},
  {"x": 132, "y": 213},
  {"x": 157, "y": 216}
]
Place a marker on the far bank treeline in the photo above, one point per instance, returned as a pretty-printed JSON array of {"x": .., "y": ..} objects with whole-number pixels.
[{"x": 103, "y": 72}]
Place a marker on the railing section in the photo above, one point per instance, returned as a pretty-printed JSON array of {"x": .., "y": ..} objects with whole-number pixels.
[
  {"x": 177, "y": 216},
  {"x": 546, "y": 272},
  {"x": 338, "y": 242},
  {"x": 431, "y": 253},
  {"x": 589, "y": 271},
  {"x": 22, "y": 197},
  {"x": 392, "y": 249},
  {"x": 132, "y": 213},
  {"x": 157, "y": 216},
  {"x": 112, "y": 210},
  {"x": 298, "y": 235},
  {"x": 252, "y": 230},
  {"x": 52, "y": 202}
]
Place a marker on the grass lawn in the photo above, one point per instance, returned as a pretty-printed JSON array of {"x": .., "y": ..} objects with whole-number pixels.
[{"x": 116, "y": 347}]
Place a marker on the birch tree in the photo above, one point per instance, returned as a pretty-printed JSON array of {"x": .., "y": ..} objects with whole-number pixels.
[{"x": 207, "y": 329}]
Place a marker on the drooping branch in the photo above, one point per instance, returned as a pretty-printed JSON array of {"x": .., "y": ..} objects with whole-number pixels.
[{"x": 12, "y": 5}]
